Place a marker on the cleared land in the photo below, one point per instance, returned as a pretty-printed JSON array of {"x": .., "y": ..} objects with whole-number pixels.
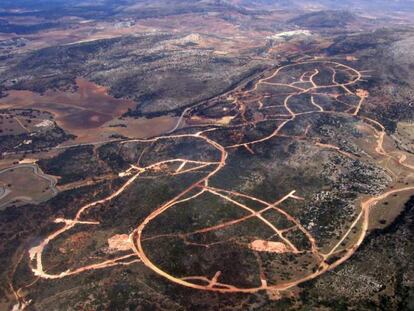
[{"x": 336, "y": 85}]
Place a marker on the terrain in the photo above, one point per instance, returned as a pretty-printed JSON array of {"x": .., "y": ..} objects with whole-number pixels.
[{"x": 205, "y": 155}]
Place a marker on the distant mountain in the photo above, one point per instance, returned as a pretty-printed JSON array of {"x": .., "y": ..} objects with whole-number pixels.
[
  {"x": 324, "y": 19},
  {"x": 53, "y": 9},
  {"x": 149, "y": 8},
  {"x": 352, "y": 5},
  {"x": 368, "y": 4},
  {"x": 95, "y": 9}
]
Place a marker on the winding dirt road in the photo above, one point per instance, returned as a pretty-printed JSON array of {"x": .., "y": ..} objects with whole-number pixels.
[{"x": 243, "y": 100}]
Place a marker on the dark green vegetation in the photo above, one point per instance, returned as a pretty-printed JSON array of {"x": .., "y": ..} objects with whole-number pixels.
[
  {"x": 6, "y": 27},
  {"x": 24, "y": 143},
  {"x": 74, "y": 164},
  {"x": 375, "y": 278}
]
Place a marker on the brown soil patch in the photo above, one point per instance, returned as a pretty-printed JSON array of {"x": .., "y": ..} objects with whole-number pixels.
[
  {"x": 90, "y": 112},
  {"x": 119, "y": 242},
  {"x": 89, "y": 107},
  {"x": 268, "y": 246},
  {"x": 362, "y": 93}
]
